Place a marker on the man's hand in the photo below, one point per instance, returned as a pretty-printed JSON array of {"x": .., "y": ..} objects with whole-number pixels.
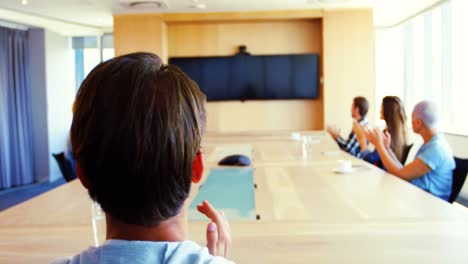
[
  {"x": 359, "y": 130},
  {"x": 218, "y": 233},
  {"x": 333, "y": 131}
]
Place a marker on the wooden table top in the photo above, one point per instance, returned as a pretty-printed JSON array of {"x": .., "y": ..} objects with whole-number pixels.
[{"x": 308, "y": 212}]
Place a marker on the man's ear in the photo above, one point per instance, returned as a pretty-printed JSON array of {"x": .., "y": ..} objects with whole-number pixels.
[
  {"x": 81, "y": 176},
  {"x": 198, "y": 167},
  {"x": 419, "y": 123}
]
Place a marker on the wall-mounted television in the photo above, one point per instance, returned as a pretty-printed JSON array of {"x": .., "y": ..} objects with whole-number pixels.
[{"x": 248, "y": 77}]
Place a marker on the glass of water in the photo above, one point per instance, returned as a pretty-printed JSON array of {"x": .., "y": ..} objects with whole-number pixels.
[
  {"x": 307, "y": 142},
  {"x": 99, "y": 224}
]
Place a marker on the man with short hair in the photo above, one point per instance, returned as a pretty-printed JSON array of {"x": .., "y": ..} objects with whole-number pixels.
[
  {"x": 359, "y": 110},
  {"x": 434, "y": 163},
  {"x": 136, "y": 133}
]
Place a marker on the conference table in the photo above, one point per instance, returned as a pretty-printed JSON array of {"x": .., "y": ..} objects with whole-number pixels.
[{"x": 307, "y": 212}]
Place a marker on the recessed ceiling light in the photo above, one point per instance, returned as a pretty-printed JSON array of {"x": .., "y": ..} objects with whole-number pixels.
[
  {"x": 146, "y": 3},
  {"x": 198, "y": 5},
  {"x": 333, "y": 1},
  {"x": 24, "y": 2}
]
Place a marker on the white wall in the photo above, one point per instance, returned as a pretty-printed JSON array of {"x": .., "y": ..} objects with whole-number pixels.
[
  {"x": 389, "y": 73},
  {"x": 60, "y": 80}
]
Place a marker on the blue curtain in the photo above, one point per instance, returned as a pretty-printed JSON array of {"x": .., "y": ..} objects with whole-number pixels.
[{"x": 16, "y": 148}]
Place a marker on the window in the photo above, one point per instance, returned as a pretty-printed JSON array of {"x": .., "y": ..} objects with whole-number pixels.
[
  {"x": 459, "y": 65},
  {"x": 89, "y": 52},
  {"x": 425, "y": 58}
]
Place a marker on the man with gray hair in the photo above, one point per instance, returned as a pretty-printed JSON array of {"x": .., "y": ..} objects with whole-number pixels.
[{"x": 432, "y": 168}]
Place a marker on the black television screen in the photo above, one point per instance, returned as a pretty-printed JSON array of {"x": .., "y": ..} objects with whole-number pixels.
[{"x": 247, "y": 77}]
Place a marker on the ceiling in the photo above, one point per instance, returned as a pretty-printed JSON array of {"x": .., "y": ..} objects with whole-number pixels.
[{"x": 97, "y": 14}]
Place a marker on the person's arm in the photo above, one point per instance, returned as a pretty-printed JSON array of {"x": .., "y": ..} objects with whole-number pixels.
[
  {"x": 414, "y": 170},
  {"x": 393, "y": 156},
  {"x": 387, "y": 138},
  {"x": 218, "y": 234},
  {"x": 360, "y": 135},
  {"x": 346, "y": 145},
  {"x": 352, "y": 146},
  {"x": 371, "y": 157},
  {"x": 333, "y": 131}
]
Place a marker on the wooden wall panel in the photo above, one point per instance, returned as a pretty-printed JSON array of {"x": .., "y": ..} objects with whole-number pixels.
[
  {"x": 143, "y": 32},
  {"x": 270, "y": 37},
  {"x": 261, "y": 37},
  {"x": 265, "y": 115},
  {"x": 349, "y": 64},
  {"x": 242, "y": 16},
  {"x": 346, "y": 42}
]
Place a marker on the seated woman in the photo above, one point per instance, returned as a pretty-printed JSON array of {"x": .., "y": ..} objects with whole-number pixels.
[{"x": 393, "y": 112}]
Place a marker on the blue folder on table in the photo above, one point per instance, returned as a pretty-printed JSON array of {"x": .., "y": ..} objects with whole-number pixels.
[{"x": 230, "y": 190}]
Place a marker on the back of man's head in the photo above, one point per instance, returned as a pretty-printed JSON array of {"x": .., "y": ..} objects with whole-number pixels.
[
  {"x": 362, "y": 104},
  {"x": 426, "y": 111},
  {"x": 136, "y": 129}
]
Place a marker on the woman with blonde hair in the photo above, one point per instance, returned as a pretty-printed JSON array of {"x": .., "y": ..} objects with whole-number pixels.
[{"x": 393, "y": 113}]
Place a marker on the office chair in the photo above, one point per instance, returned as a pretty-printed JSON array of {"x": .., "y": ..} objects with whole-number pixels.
[
  {"x": 459, "y": 176},
  {"x": 406, "y": 152},
  {"x": 65, "y": 166}
]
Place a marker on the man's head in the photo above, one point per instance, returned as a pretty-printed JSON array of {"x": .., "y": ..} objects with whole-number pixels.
[
  {"x": 359, "y": 108},
  {"x": 136, "y": 135},
  {"x": 424, "y": 116}
]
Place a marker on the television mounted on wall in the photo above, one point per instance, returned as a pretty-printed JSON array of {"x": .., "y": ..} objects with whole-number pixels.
[{"x": 248, "y": 77}]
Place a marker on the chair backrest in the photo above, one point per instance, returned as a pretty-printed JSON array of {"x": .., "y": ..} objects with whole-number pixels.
[
  {"x": 65, "y": 166},
  {"x": 459, "y": 176},
  {"x": 406, "y": 151}
]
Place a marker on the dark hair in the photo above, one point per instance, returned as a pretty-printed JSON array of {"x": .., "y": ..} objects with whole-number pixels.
[
  {"x": 361, "y": 103},
  {"x": 394, "y": 114},
  {"x": 136, "y": 129}
]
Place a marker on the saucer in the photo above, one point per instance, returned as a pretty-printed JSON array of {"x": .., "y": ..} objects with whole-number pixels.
[{"x": 336, "y": 170}]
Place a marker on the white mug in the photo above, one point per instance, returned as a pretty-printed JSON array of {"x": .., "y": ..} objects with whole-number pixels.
[
  {"x": 296, "y": 136},
  {"x": 344, "y": 165}
]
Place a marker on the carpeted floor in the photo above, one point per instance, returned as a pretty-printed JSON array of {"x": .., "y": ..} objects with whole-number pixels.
[{"x": 14, "y": 196}]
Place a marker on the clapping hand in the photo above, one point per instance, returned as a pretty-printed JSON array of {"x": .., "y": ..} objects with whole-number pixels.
[
  {"x": 359, "y": 130},
  {"x": 375, "y": 136},
  {"x": 218, "y": 233},
  {"x": 333, "y": 131}
]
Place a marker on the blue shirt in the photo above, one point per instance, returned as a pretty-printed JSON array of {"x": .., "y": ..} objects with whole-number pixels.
[
  {"x": 351, "y": 145},
  {"x": 142, "y": 252},
  {"x": 437, "y": 155},
  {"x": 373, "y": 158}
]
